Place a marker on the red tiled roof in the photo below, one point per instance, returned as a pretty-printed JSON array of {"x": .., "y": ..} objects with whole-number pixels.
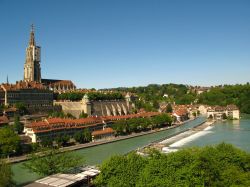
[
  {"x": 22, "y": 85},
  {"x": 232, "y": 107},
  {"x": 181, "y": 112},
  {"x": 101, "y": 132},
  {"x": 54, "y": 124},
  {"x": 138, "y": 115},
  {"x": 3, "y": 120}
]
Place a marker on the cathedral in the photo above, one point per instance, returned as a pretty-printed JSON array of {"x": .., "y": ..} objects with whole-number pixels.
[
  {"x": 32, "y": 69},
  {"x": 33, "y": 91}
]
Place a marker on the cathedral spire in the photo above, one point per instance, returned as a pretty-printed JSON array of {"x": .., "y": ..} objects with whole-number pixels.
[
  {"x": 32, "y": 36},
  {"x": 32, "y": 69}
]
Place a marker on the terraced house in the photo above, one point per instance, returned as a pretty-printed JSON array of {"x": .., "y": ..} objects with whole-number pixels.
[
  {"x": 54, "y": 127},
  {"x": 32, "y": 94},
  {"x": 216, "y": 112}
]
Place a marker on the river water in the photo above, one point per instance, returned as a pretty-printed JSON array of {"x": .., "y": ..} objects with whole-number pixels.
[{"x": 235, "y": 132}]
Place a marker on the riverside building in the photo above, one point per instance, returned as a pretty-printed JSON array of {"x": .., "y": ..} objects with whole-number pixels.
[
  {"x": 216, "y": 112},
  {"x": 98, "y": 126},
  {"x": 98, "y": 108},
  {"x": 32, "y": 94}
]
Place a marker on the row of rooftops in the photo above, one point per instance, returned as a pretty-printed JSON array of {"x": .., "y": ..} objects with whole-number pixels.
[
  {"x": 52, "y": 124},
  {"x": 58, "y": 83},
  {"x": 22, "y": 85},
  {"x": 184, "y": 109},
  {"x": 223, "y": 108},
  {"x": 36, "y": 85}
]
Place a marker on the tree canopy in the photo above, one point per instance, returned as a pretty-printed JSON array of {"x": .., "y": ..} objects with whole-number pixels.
[
  {"x": 221, "y": 165},
  {"x": 94, "y": 96},
  {"x": 5, "y": 174},
  {"x": 9, "y": 142},
  {"x": 18, "y": 126},
  {"x": 228, "y": 94},
  {"x": 53, "y": 161},
  {"x": 141, "y": 124},
  {"x": 150, "y": 96}
]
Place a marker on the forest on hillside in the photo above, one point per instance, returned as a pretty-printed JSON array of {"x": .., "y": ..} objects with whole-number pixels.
[
  {"x": 153, "y": 94},
  {"x": 228, "y": 94}
]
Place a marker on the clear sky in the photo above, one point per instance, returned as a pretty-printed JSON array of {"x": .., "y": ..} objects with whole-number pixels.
[{"x": 112, "y": 43}]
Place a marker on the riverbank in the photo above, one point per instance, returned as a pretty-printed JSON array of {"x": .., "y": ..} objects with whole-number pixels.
[{"x": 101, "y": 142}]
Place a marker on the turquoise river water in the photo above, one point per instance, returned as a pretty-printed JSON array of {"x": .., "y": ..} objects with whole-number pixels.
[{"x": 235, "y": 132}]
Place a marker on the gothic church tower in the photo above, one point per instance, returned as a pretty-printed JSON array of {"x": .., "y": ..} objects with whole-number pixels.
[{"x": 32, "y": 69}]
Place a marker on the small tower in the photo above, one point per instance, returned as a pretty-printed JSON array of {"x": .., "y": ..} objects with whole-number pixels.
[
  {"x": 86, "y": 105},
  {"x": 32, "y": 69},
  {"x": 128, "y": 97},
  {"x": 7, "y": 81}
]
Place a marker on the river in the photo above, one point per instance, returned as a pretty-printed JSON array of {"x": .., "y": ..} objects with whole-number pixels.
[
  {"x": 95, "y": 155},
  {"x": 236, "y": 132}
]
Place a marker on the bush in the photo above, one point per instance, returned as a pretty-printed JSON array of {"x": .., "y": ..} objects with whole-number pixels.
[{"x": 221, "y": 165}]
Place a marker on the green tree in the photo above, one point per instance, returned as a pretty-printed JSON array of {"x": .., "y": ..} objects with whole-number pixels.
[
  {"x": 120, "y": 171},
  {"x": 83, "y": 115},
  {"x": 1, "y": 108},
  {"x": 228, "y": 94},
  {"x": 87, "y": 135},
  {"x": 169, "y": 108},
  {"x": 78, "y": 136},
  {"x": 18, "y": 126},
  {"x": 83, "y": 136},
  {"x": 53, "y": 161},
  {"x": 21, "y": 108},
  {"x": 5, "y": 174},
  {"x": 69, "y": 115},
  {"x": 221, "y": 165},
  {"x": 62, "y": 140},
  {"x": 46, "y": 142},
  {"x": 9, "y": 142}
]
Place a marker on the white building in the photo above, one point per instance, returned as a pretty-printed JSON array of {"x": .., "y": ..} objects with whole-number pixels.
[{"x": 230, "y": 111}]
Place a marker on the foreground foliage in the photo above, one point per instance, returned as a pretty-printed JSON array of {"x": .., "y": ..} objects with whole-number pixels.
[
  {"x": 5, "y": 174},
  {"x": 9, "y": 142},
  {"x": 222, "y": 165},
  {"x": 53, "y": 162}
]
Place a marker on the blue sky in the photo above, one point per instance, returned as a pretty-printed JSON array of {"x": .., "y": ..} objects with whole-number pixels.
[{"x": 112, "y": 43}]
